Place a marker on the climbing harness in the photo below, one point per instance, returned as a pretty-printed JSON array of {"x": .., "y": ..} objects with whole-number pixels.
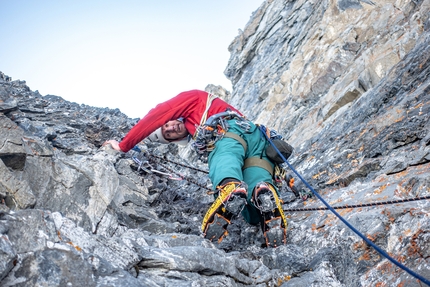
[
  {"x": 214, "y": 129},
  {"x": 368, "y": 241}
]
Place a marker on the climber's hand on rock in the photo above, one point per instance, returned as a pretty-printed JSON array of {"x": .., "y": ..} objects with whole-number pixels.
[{"x": 113, "y": 143}]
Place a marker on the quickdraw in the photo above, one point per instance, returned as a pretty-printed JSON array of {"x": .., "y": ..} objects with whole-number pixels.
[
  {"x": 303, "y": 194},
  {"x": 148, "y": 168}
]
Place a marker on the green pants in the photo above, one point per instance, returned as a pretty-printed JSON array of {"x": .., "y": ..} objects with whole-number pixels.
[{"x": 227, "y": 160}]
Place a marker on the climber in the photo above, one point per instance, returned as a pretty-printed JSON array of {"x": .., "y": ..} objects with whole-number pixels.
[{"x": 238, "y": 165}]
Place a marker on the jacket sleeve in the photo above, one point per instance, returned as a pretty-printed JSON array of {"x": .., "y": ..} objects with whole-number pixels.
[{"x": 179, "y": 106}]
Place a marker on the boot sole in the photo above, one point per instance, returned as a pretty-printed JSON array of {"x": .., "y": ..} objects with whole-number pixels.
[
  {"x": 274, "y": 221},
  {"x": 236, "y": 203},
  {"x": 276, "y": 235},
  {"x": 217, "y": 229}
]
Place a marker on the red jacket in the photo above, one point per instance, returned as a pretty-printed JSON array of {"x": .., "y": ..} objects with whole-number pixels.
[{"x": 189, "y": 105}]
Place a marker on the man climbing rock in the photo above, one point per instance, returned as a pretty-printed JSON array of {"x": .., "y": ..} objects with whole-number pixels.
[{"x": 238, "y": 165}]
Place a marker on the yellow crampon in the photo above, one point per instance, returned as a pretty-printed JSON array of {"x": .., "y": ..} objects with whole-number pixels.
[
  {"x": 230, "y": 201},
  {"x": 274, "y": 223},
  {"x": 279, "y": 205}
]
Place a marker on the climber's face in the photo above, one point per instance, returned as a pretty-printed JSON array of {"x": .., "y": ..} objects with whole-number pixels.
[{"x": 174, "y": 130}]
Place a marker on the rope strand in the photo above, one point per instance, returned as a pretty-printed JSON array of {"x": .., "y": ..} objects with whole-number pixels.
[
  {"x": 177, "y": 163},
  {"x": 328, "y": 207},
  {"x": 300, "y": 209},
  {"x": 360, "y": 205},
  {"x": 377, "y": 248},
  {"x": 186, "y": 178}
]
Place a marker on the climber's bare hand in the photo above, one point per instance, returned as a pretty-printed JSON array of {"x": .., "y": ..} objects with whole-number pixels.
[{"x": 113, "y": 143}]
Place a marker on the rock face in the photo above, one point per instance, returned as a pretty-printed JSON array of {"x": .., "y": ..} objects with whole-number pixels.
[{"x": 348, "y": 85}]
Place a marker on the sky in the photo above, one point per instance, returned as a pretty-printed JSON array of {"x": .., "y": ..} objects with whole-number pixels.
[{"x": 130, "y": 54}]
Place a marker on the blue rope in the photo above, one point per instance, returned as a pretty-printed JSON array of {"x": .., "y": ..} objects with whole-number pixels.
[{"x": 377, "y": 248}]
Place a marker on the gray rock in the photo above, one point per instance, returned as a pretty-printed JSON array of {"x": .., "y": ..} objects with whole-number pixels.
[
  {"x": 17, "y": 193},
  {"x": 346, "y": 83},
  {"x": 12, "y": 152},
  {"x": 8, "y": 256}
]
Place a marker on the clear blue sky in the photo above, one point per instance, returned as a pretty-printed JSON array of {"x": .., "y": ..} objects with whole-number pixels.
[{"x": 120, "y": 54}]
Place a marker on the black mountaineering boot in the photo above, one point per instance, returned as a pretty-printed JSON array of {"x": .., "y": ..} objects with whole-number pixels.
[
  {"x": 273, "y": 223},
  {"x": 230, "y": 202}
]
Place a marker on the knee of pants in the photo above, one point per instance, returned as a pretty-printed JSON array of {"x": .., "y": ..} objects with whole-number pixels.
[{"x": 226, "y": 161}]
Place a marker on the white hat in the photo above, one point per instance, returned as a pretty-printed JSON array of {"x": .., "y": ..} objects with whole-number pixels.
[{"x": 157, "y": 136}]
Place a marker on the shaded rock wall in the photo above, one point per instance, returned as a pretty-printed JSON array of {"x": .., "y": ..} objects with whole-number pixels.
[
  {"x": 306, "y": 60},
  {"x": 346, "y": 82}
]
